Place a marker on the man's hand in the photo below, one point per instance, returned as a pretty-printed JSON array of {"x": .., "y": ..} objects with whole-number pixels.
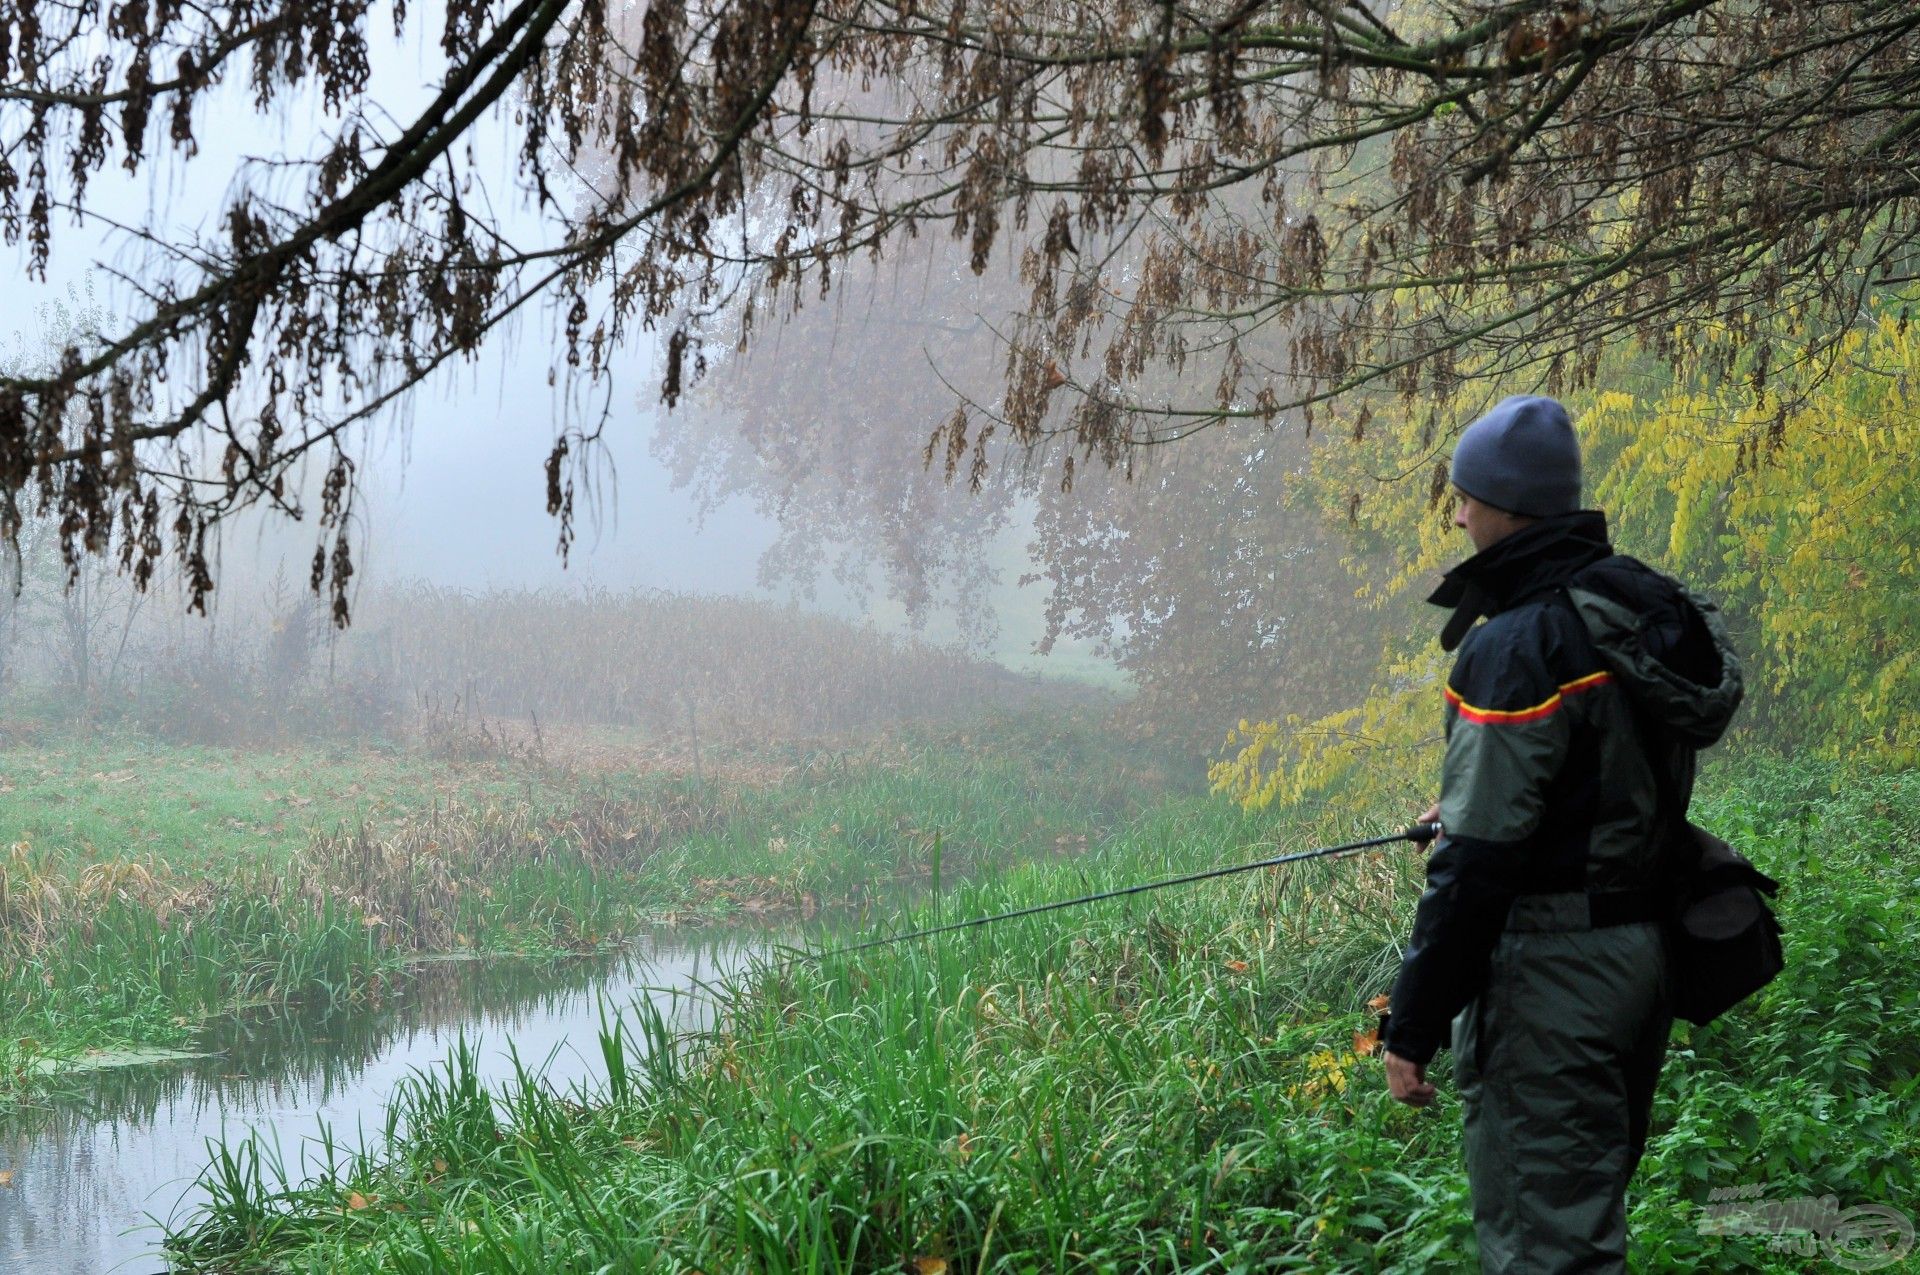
[
  {"x": 1407, "y": 1081},
  {"x": 1432, "y": 816}
]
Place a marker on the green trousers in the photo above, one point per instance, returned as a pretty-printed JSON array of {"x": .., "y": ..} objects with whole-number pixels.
[{"x": 1556, "y": 1063}]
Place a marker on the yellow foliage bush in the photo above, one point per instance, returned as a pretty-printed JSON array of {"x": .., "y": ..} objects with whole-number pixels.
[
  {"x": 1800, "y": 516},
  {"x": 1804, "y": 518}
]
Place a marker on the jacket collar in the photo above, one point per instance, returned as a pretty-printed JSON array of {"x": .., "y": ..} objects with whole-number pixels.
[{"x": 1540, "y": 556}]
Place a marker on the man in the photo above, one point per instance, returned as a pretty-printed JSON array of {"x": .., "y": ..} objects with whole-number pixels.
[{"x": 1536, "y": 950}]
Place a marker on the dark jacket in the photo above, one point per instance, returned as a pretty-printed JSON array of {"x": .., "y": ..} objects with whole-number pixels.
[{"x": 1548, "y": 786}]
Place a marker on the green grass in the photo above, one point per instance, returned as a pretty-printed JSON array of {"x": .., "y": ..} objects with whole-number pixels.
[
  {"x": 145, "y": 886},
  {"x": 1166, "y": 1085},
  {"x": 84, "y": 799},
  {"x": 847, "y": 827}
]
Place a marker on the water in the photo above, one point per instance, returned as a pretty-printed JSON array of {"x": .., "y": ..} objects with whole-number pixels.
[{"x": 90, "y": 1176}]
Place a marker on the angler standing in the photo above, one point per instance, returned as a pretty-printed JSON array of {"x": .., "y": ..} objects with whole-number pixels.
[{"x": 1536, "y": 951}]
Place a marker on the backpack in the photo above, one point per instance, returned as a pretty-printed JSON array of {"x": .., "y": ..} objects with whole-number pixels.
[
  {"x": 1669, "y": 652},
  {"x": 1724, "y": 941}
]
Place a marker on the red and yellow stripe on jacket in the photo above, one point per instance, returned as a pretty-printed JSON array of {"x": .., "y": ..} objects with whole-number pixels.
[{"x": 1538, "y": 712}]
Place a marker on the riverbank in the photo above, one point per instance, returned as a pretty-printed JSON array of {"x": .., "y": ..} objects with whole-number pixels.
[
  {"x": 90, "y": 1173},
  {"x": 1179, "y": 1083},
  {"x": 145, "y": 886}
]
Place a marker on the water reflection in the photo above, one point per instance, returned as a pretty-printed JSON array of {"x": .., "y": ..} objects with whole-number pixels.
[{"x": 90, "y": 1173}]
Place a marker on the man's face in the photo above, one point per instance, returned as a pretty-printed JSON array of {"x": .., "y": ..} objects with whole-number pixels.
[{"x": 1484, "y": 525}]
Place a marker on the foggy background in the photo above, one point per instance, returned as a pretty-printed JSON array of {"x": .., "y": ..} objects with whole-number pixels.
[{"x": 452, "y": 488}]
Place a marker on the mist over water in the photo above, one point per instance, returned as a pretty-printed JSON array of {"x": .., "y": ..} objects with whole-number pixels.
[{"x": 1002, "y": 488}]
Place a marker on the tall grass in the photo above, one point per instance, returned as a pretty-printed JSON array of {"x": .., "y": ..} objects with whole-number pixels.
[
  {"x": 126, "y": 954},
  {"x": 1171, "y": 1085}
]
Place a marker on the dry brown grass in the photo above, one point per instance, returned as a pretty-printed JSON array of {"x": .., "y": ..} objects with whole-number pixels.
[
  {"x": 410, "y": 880},
  {"x": 583, "y": 751},
  {"x": 43, "y": 900}
]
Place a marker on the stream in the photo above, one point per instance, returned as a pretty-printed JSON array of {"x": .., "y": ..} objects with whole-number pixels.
[{"x": 85, "y": 1182}]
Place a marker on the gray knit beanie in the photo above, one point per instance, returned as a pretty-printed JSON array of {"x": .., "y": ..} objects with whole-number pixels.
[{"x": 1521, "y": 457}]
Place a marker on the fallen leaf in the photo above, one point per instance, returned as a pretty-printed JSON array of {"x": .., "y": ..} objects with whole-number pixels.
[
  {"x": 929, "y": 1266},
  {"x": 439, "y": 1166},
  {"x": 357, "y": 1201},
  {"x": 1379, "y": 1003},
  {"x": 1365, "y": 1043},
  {"x": 1238, "y": 967},
  {"x": 6, "y": 1177}
]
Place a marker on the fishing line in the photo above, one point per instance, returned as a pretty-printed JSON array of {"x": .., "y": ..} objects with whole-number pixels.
[{"x": 1419, "y": 833}]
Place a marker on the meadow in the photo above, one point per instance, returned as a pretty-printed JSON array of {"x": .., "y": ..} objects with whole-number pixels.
[
  {"x": 146, "y": 885},
  {"x": 1182, "y": 1082}
]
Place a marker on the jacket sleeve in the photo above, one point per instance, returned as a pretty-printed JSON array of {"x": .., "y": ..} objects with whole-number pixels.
[{"x": 1507, "y": 738}]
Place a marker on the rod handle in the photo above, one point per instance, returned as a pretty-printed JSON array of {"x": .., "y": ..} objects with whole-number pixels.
[{"x": 1422, "y": 832}]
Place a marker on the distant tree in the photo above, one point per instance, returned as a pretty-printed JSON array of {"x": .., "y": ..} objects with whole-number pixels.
[
  {"x": 1208, "y": 572},
  {"x": 79, "y": 610},
  {"x": 72, "y": 621},
  {"x": 1321, "y": 197}
]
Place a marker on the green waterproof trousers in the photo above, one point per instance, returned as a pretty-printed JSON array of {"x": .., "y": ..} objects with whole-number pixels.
[{"x": 1556, "y": 1062}]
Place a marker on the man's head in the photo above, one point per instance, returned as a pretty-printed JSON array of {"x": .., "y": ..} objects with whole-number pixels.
[{"x": 1517, "y": 463}]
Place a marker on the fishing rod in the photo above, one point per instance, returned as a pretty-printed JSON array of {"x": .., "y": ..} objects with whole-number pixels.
[{"x": 1419, "y": 833}]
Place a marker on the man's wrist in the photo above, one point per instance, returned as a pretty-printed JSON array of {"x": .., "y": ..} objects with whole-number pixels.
[{"x": 1410, "y": 1045}]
